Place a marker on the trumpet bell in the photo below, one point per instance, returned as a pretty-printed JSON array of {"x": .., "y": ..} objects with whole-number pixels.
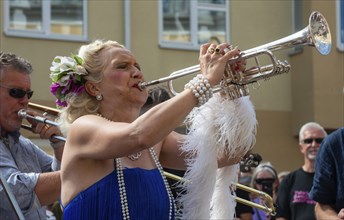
[
  {"x": 317, "y": 34},
  {"x": 320, "y": 32}
]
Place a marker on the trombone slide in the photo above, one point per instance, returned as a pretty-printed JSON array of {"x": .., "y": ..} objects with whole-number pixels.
[
  {"x": 268, "y": 209},
  {"x": 23, "y": 114}
]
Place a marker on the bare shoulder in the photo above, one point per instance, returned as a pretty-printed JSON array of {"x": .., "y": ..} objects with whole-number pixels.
[
  {"x": 86, "y": 121},
  {"x": 94, "y": 137},
  {"x": 83, "y": 130}
]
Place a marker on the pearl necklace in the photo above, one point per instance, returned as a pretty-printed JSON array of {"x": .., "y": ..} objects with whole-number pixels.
[
  {"x": 122, "y": 190},
  {"x": 121, "y": 182}
]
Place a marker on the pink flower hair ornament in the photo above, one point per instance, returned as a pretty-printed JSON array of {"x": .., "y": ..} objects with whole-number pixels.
[{"x": 67, "y": 77}]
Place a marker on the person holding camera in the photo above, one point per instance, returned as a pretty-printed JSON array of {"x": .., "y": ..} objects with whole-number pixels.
[
  {"x": 293, "y": 201},
  {"x": 265, "y": 179}
]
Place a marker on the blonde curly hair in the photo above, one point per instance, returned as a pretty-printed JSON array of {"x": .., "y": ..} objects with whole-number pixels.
[{"x": 84, "y": 103}]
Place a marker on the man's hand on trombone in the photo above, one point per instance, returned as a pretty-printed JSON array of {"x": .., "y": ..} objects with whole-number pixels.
[{"x": 39, "y": 124}]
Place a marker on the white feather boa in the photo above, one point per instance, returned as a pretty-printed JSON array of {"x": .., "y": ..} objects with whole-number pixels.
[{"x": 218, "y": 127}]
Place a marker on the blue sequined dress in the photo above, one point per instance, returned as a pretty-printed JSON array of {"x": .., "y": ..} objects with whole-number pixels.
[{"x": 146, "y": 195}]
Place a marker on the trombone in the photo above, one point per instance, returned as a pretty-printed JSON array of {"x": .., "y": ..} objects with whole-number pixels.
[
  {"x": 47, "y": 110},
  {"x": 316, "y": 34},
  {"x": 269, "y": 208}
]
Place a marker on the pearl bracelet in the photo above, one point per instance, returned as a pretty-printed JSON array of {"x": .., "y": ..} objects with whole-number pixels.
[{"x": 201, "y": 88}]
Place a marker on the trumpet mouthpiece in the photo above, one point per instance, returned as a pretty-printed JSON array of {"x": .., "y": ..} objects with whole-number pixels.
[
  {"x": 142, "y": 86},
  {"x": 22, "y": 113}
]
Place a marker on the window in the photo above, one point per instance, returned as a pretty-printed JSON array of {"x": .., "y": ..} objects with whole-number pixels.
[
  {"x": 340, "y": 25},
  {"x": 186, "y": 24},
  {"x": 298, "y": 25},
  {"x": 53, "y": 19}
]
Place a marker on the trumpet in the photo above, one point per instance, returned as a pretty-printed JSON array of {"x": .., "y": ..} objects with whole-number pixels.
[
  {"x": 268, "y": 208},
  {"x": 316, "y": 34}
]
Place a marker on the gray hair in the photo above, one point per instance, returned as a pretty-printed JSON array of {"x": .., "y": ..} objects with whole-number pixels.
[
  {"x": 10, "y": 61},
  {"x": 308, "y": 126},
  {"x": 266, "y": 166},
  {"x": 156, "y": 96}
]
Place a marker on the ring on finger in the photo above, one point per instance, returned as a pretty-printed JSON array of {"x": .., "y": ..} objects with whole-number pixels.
[
  {"x": 47, "y": 126},
  {"x": 211, "y": 50},
  {"x": 228, "y": 48},
  {"x": 217, "y": 50}
]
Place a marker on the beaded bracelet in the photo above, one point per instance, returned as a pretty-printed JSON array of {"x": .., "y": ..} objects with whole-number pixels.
[{"x": 201, "y": 88}]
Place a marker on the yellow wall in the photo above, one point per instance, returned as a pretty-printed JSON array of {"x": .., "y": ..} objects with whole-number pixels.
[
  {"x": 312, "y": 91},
  {"x": 318, "y": 80}
]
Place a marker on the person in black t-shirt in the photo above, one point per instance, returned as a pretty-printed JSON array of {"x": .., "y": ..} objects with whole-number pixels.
[{"x": 293, "y": 201}]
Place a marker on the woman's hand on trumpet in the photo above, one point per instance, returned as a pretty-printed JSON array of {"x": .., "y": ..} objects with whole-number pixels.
[{"x": 213, "y": 57}]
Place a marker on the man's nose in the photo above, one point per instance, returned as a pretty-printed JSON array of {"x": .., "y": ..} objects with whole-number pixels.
[{"x": 24, "y": 101}]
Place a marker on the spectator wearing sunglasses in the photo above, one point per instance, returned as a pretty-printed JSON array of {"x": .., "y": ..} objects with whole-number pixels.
[
  {"x": 27, "y": 170},
  {"x": 293, "y": 201},
  {"x": 265, "y": 179},
  {"x": 328, "y": 183}
]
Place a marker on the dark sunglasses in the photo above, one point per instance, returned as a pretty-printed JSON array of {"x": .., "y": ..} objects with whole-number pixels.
[
  {"x": 18, "y": 93},
  {"x": 265, "y": 180},
  {"x": 310, "y": 140}
]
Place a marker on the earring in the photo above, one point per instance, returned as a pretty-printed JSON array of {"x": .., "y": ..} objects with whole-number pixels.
[{"x": 99, "y": 97}]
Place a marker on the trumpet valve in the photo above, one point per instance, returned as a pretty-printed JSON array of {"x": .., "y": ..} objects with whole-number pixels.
[{"x": 231, "y": 84}]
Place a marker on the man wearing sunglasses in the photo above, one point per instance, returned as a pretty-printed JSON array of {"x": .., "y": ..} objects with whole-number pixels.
[
  {"x": 293, "y": 201},
  {"x": 27, "y": 170}
]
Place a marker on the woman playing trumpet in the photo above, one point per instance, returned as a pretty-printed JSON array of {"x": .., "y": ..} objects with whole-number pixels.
[{"x": 112, "y": 164}]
